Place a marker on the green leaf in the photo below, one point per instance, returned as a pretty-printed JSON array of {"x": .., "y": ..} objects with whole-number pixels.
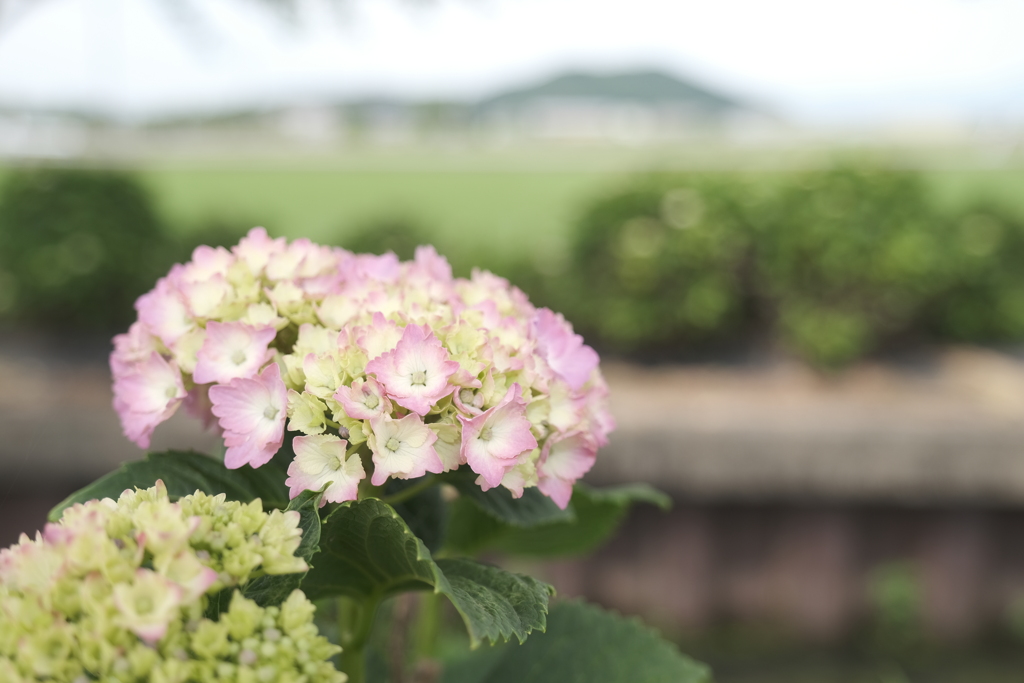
[
  {"x": 533, "y": 509},
  {"x": 471, "y": 531},
  {"x": 626, "y": 494},
  {"x": 275, "y": 589},
  {"x": 583, "y": 644},
  {"x": 369, "y": 553},
  {"x": 598, "y": 513},
  {"x": 494, "y": 603},
  {"x": 366, "y": 550},
  {"x": 182, "y": 473},
  {"x": 426, "y": 513}
]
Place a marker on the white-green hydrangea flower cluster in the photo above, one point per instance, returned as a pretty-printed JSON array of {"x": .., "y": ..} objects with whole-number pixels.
[{"x": 118, "y": 591}]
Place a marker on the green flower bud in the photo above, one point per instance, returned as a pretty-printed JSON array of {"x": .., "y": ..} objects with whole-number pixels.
[
  {"x": 210, "y": 640},
  {"x": 243, "y": 617},
  {"x": 142, "y": 660},
  {"x": 116, "y": 591},
  {"x": 307, "y": 413},
  {"x": 250, "y": 517},
  {"x": 296, "y": 612}
]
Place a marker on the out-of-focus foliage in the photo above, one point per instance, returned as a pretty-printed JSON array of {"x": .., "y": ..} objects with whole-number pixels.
[
  {"x": 663, "y": 263},
  {"x": 896, "y": 594},
  {"x": 848, "y": 258},
  {"x": 77, "y": 247},
  {"x": 396, "y": 234},
  {"x": 215, "y": 232},
  {"x": 830, "y": 264},
  {"x": 986, "y": 301}
]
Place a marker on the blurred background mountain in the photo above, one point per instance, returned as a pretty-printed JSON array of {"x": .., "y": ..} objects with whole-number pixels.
[
  {"x": 633, "y": 107},
  {"x": 795, "y": 233}
]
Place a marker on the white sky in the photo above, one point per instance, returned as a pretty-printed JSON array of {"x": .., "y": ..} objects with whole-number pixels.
[{"x": 811, "y": 60}]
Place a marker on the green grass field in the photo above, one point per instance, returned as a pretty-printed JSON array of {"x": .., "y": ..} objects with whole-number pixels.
[
  {"x": 480, "y": 206},
  {"x": 469, "y": 212},
  {"x": 486, "y": 215}
]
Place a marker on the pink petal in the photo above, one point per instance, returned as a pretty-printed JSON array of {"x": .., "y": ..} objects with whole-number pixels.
[
  {"x": 415, "y": 374},
  {"x": 354, "y": 399},
  {"x": 232, "y": 350},
  {"x": 133, "y": 346},
  {"x": 145, "y": 394},
  {"x": 206, "y": 263},
  {"x": 432, "y": 265},
  {"x": 321, "y": 460},
  {"x": 562, "y": 462},
  {"x": 256, "y": 248},
  {"x": 163, "y": 311},
  {"x": 379, "y": 337},
  {"x": 384, "y": 268},
  {"x": 506, "y": 435},
  {"x": 564, "y": 351},
  {"x": 252, "y": 414},
  {"x": 415, "y": 455}
]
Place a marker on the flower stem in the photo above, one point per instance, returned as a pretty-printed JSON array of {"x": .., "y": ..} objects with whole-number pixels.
[
  {"x": 411, "y": 491},
  {"x": 427, "y": 625},
  {"x": 355, "y": 620}
]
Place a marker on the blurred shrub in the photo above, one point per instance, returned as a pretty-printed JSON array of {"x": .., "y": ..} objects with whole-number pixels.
[
  {"x": 77, "y": 247},
  {"x": 896, "y": 594},
  {"x": 850, "y": 257},
  {"x": 1013, "y": 613},
  {"x": 392, "y": 233},
  {"x": 832, "y": 264},
  {"x": 985, "y": 302},
  {"x": 662, "y": 263},
  {"x": 214, "y": 232}
]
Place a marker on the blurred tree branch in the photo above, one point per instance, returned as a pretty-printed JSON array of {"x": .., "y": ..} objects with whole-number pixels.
[
  {"x": 11, "y": 10},
  {"x": 189, "y": 12}
]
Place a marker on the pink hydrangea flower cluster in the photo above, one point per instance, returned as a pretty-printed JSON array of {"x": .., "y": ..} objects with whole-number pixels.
[{"x": 392, "y": 366}]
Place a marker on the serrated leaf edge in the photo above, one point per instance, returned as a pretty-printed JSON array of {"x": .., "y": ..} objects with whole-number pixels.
[
  {"x": 442, "y": 586},
  {"x": 642, "y": 626}
]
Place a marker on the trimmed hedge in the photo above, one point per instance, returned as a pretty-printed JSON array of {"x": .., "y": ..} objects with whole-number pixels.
[
  {"x": 849, "y": 259},
  {"x": 394, "y": 233},
  {"x": 830, "y": 264},
  {"x": 986, "y": 300},
  {"x": 77, "y": 247},
  {"x": 662, "y": 264}
]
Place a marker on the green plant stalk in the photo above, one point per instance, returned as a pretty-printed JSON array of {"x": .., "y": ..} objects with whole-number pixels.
[
  {"x": 412, "y": 491},
  {"x": 355, "y": 620},
  {"x": 427, "y": 626}
]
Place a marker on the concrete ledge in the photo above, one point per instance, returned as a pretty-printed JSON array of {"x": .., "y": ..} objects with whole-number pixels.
[
  {"x": 950, "y": 430},
  {"x": 915, "y": 468}
]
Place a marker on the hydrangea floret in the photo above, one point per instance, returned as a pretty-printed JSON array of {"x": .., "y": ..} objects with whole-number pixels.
[
  {"x": 117, "y": 591},
  {"x": 388, "y": 369}
]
